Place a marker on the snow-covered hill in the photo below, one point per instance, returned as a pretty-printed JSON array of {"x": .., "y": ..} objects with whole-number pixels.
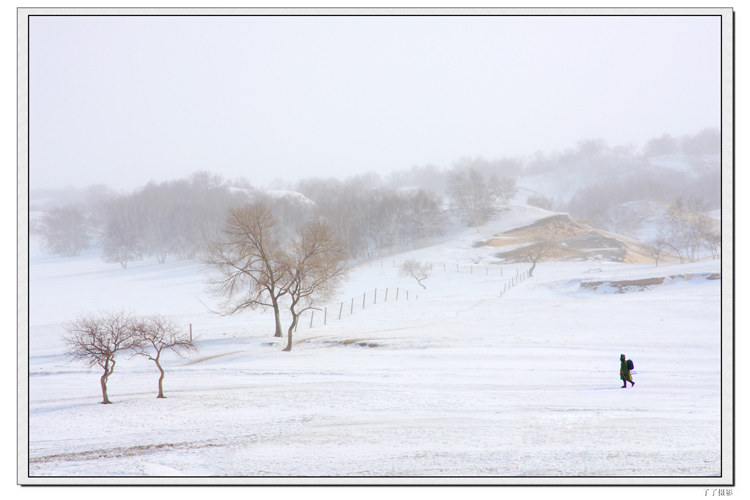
[{"x": 460, "y": 380}]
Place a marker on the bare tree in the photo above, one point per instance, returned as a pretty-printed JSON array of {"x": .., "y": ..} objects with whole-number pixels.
[
  {"x": 472, "y": 195},
  {"x": 685, "y": 229},
  {"x": 712, "y": 239},
  {"x": 122, "y": 239},
  {"x": 507, "y": 189},
  {"x": 416, "y": 270},
  {"x": 316, "y": 266},
  {"x": 157, "y": 334},
  {"x": 657, "y": 248},
  {"x": 536, "y": 253},
  {"x": 249, "y": 263},
  {"x": 65, "y": 231},
  {"x": 98, "y": 339}
]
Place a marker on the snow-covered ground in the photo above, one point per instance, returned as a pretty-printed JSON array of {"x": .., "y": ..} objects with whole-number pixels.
[{"x": 460, "y": 382}]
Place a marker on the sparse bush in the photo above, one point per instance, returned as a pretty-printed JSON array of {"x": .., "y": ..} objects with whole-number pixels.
[
  {"x": 540, "y": 201},
  {"x": 416, "y": 270}
]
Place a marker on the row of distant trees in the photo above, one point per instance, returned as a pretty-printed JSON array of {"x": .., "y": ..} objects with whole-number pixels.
[
  {"x": 178, "y": 218},
  {"x": 372, "y": 220},
  {"x": 181, "y": 218},
  {"x": 370, "y": 214}
]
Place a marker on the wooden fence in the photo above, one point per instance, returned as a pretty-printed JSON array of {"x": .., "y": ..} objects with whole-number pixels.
[
  {"x": 505, "y": 271},
  {"x": 347, "y": 307}
]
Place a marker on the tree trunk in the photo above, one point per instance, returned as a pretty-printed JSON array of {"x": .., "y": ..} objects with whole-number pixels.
[
  {"x": 531, "y": 271},
  {"x": 277, "y": 316},
  {"x": 105, "y": 399},
  {"x": 103, "y": 381},
  {"x": 289, "y": 333},
  {"x": 161, "y": 378}
]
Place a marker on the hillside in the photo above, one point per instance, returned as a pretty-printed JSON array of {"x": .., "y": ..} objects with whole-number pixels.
[
  {"x": 566, "y": 240},
  {"x": 459, "y": 380}
]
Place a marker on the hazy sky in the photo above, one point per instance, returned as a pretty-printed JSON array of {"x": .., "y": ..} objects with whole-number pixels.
[{"x": 123, "y": 100}]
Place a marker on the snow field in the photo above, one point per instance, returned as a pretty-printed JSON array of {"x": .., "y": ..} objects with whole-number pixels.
[{"x": 460, "y": 383}]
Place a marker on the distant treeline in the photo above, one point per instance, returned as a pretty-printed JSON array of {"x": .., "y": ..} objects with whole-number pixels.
[
  {"x": 376, "y": 215},
  {"x": 181, "y": 218}
]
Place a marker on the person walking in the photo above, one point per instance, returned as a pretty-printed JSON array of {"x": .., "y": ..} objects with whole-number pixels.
[{"x": 625, "y": 375}]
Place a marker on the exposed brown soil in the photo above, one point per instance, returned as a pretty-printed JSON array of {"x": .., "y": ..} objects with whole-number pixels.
[
  {"x": 566, "y": 239},
  {"x": 623, "y": 286},
  {"x": 645, "y": 283},
  {"x": 550, "y": 228}
]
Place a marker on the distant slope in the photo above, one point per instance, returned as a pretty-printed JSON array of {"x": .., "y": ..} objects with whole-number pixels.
[{"x": 566, "y": 240}]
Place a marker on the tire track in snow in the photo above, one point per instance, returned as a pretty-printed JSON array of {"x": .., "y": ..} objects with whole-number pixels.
[{"x": 122, "y": 451}]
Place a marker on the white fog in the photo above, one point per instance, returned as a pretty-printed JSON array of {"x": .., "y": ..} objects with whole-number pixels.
[{"x": 377, "y": 248}]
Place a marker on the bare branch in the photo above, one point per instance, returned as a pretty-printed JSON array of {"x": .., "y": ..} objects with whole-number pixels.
[
  {"x": 247, "y": 264},
  {"x": 416, "y": 270},
  {"x": 98, "y": 339}
]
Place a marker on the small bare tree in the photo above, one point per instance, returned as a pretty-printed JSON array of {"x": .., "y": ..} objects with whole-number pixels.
[
  {"x": 157, "y": 334},
  {"x": 507, "y": 189},
  {"x": 535, "y": 253},
  {"x": 98, "y": 339},
  {"x": 416, "y": 270},
  {"x": 316, "y": 266},
  {"x": 472, "y": 196},
  {"x": 657, "y": 248},
  {"x": 248, "y": 265},
  {"x": 713, "y": 241}
]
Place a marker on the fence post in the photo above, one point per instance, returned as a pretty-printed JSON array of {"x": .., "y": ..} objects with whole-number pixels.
[
  {"x": 341, "y": 309},
  {"x": 386, "y": 295},
  {"x": 363, "y": 299},
  {"x": 407, "y": 295},
  {"x": 443, "y": 266},
  {"x": 396, "y": 294},
  {"x": 312, "y": 315},
  {"x": 501, "y": 271},
  {"x": 325, "y": 316},
  {"x": 376, "y": 296},
  {"x": 191, "y": 332}
]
